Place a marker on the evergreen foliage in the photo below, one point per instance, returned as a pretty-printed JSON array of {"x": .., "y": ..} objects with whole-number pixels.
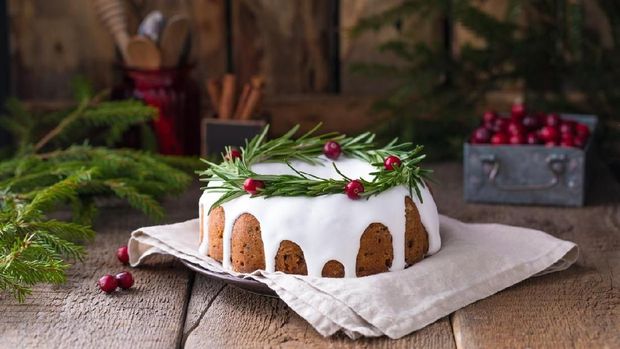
[
  {"x": 59, "y": 160},
  {"x": 544, "y": 46}
]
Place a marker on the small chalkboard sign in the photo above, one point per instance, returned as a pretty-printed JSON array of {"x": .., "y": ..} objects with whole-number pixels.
[{"x": 216, "y": 134}]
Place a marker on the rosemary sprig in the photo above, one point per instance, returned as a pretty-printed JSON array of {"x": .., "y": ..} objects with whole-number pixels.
[{"x": 228, "y": 176}]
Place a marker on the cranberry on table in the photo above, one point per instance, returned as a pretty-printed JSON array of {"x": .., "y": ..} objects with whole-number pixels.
[
  {"x": 481, "y": 135},
  {"x": 251, "y": 185},
  {"x": 499, "y": 138},
  {"x": 107, "y": 283},
  {"x": 353, "y": 189},
  {"x": 553, "y": 120},
  {"x": 390, "y": 162},
  {"x": 518, "y": 111},
  {"x": 549, "y": 134},
  {"x": 532, "y": 138},
  {"x": 124, "y": 280},
  {"x": 332, "y": 150},
  {"x": 122, "y": 254}
]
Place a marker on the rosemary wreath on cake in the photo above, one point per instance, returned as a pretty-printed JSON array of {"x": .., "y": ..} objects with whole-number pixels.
[{"x": 396, "y": 164}]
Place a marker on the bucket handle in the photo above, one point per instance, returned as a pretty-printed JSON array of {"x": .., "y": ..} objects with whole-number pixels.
[{"x": 555, "y": 162}]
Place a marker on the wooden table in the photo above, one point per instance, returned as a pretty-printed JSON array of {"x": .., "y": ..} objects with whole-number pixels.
[{"x": 171, "y": 306}]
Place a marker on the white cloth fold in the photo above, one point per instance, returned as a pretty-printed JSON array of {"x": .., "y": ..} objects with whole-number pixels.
[{"x": 475, "y": 261}]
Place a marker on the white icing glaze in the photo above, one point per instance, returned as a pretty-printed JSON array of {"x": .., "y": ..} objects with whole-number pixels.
[{"x": 325, "y": 227}]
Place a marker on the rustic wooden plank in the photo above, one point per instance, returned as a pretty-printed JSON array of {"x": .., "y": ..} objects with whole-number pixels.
[
  {"x": 230, "y": 317},
  {"x": 78, "y": 315},
  {"x": 285, "y": 42},
  {"x": 364, "y": 48},
  {"x": 348, "y": 114},
  {"x": 53, "y": 41},
  {"x": 573, "y": 308},
  {"x": 209, "y": 51}
]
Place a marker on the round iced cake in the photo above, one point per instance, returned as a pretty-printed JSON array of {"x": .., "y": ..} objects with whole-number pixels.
[{"x": 329, "y": 235}]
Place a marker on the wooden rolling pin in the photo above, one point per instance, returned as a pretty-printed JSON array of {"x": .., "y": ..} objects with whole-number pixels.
[{"x": 112, "y": 14}]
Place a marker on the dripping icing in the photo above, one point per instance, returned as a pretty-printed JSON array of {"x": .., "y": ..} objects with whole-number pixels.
[{"x": 325, "y": 227}]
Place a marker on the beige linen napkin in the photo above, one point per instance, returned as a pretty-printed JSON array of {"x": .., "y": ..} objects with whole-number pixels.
[{"x": 475, "y": 261}]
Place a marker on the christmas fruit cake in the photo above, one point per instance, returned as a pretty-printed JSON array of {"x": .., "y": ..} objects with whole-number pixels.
[{"x": 322, "y": 205}]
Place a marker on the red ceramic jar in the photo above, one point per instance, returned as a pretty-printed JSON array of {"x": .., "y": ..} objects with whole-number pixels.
[{"x": 176, "y": 96}]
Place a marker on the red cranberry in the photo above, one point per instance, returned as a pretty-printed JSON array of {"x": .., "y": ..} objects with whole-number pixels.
[
  {"x": 107, "y": 283},
  {"x": 551, "y": 144},
  {"x": 567, "y": 127},
  {"x": 582, "y": 130},
  {"x": 552, "y": 120},
  {"x": 580, "y": 141},
  {"x": 252, "y": 185},
  {"x": 499, "y": 138},
  {"x": 124, "y": 280},
  {"x": 518, "y": 111},
  {"x": 481, "y": 135},
  {"x": 518, "y": 138},
  {"x": 390, "y": 162},
  {"x": 567, "y": 142},
  {"x": 233, "y": 154},
  {"x": 515, "y": 127},
  {"x": 500, "y": 125},
  {"x": 353, "y": 189},
  {"x": 122, "y": 254},
  {"x": 332, "y": 150},
  {"x": 532, "y": 138},
  {"x": 530, "y": 122},
  {"x": 489, "y": 116},
  {"x": 549, "y": 133}
]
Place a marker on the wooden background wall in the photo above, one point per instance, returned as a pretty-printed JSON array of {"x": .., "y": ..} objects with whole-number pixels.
[{"x": 302, "y": 47}]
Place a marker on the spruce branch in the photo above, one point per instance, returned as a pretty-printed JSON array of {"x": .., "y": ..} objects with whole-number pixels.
[{"x": 45, "y": 175}]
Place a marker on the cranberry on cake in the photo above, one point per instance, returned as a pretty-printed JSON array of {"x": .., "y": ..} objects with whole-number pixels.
[{"x": 319, "y": 205}]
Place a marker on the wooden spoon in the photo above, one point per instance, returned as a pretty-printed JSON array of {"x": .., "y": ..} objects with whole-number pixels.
[
  {"x": 111, "y": 14},
  {"x": 142, "y": 53},
  {"x": 173, "y": 40}
]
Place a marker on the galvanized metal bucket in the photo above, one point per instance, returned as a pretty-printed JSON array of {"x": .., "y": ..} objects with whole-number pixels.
[{"x": 529, "y": 174}]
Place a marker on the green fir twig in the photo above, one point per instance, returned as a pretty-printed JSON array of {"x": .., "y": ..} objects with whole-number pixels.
[{"x": 54, "y": 164}]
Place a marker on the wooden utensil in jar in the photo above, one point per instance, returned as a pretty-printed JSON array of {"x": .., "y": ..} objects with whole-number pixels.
[
  {"x": 173, "y": 39},
  {"x": 112, "y": 14},
  {"x": 142, "y": 53}
]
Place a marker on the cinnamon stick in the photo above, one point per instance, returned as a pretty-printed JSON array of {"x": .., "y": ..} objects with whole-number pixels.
[
  {"x": 215, "y": 93},
  {"x": 228, "y": 96},
  {"x": 243, "y": 99},
  {"x": 257, "y": 81},
  {"x": 251, "y": 104}
]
